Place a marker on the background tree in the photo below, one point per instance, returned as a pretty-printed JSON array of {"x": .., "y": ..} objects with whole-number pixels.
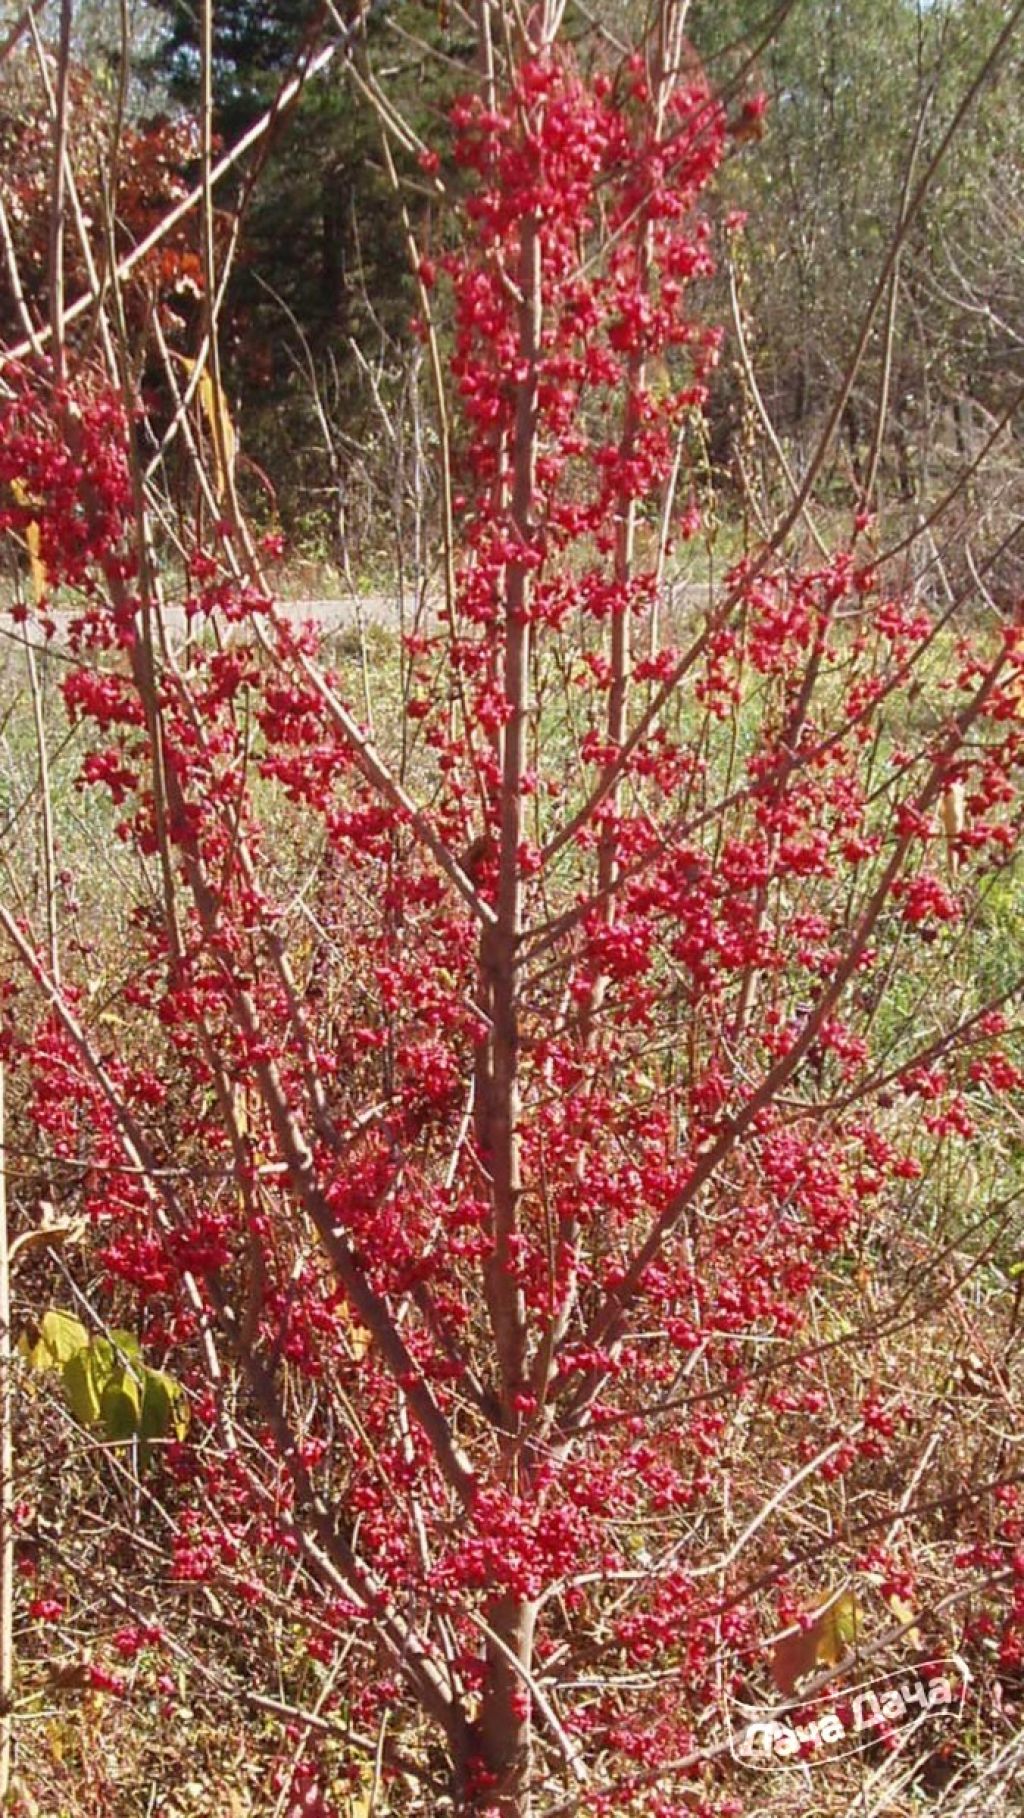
[
  {"x": 321, "y": 285},
  {"x": 860, "y": 96}
]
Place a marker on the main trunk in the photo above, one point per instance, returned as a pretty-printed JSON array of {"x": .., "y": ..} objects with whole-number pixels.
[{"x": 505, "y": 1718}]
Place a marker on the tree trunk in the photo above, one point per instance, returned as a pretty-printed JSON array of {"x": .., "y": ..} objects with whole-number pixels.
[{"x": 505, "y": 1714}]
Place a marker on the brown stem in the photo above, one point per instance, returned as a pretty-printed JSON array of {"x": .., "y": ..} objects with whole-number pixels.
[
  {"x": 505, "y": 1722},
  {"x": 498, "y": 1122},
  {"x": 57, "y": 190}
]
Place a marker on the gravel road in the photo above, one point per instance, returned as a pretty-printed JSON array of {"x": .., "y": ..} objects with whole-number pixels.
[
  {"x": 331, "y": 615},
  {"x": 339, "y": 614}
]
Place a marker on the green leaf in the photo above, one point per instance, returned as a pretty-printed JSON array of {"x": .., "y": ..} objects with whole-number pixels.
[
  {"x": 80, "y": 1385},
  {"x": 158, "y": 1394},
  {"x": 120, "y": 1407},
  {"x": 126, "y": 1343},
  {"x": 164, "y": 1406},
  {"x": 181, "y": 1413},
  {"x": 104, "y": 1362},
  {"x": 113, "y": 1358},
  {"x": 106, "y": 1381},
  {"x": 61, "y": 1337}
]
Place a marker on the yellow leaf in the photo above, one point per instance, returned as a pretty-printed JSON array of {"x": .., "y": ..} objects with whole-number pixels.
[
  {"x": 825, "y": 1643},
  {"x": 240, "y": 1110},
  {"x": 360, "y": 1802},
  {"x": 358, "y": 1338},
  {"x": 953, "y": 819},
  {"x": 59, "y": 1338},
  {"x": 214, "y": 406},
  {"x": 904, "y": 1613},
  {"x": 36, "y": 566},
  {"x": 837, "y": 1629}
]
